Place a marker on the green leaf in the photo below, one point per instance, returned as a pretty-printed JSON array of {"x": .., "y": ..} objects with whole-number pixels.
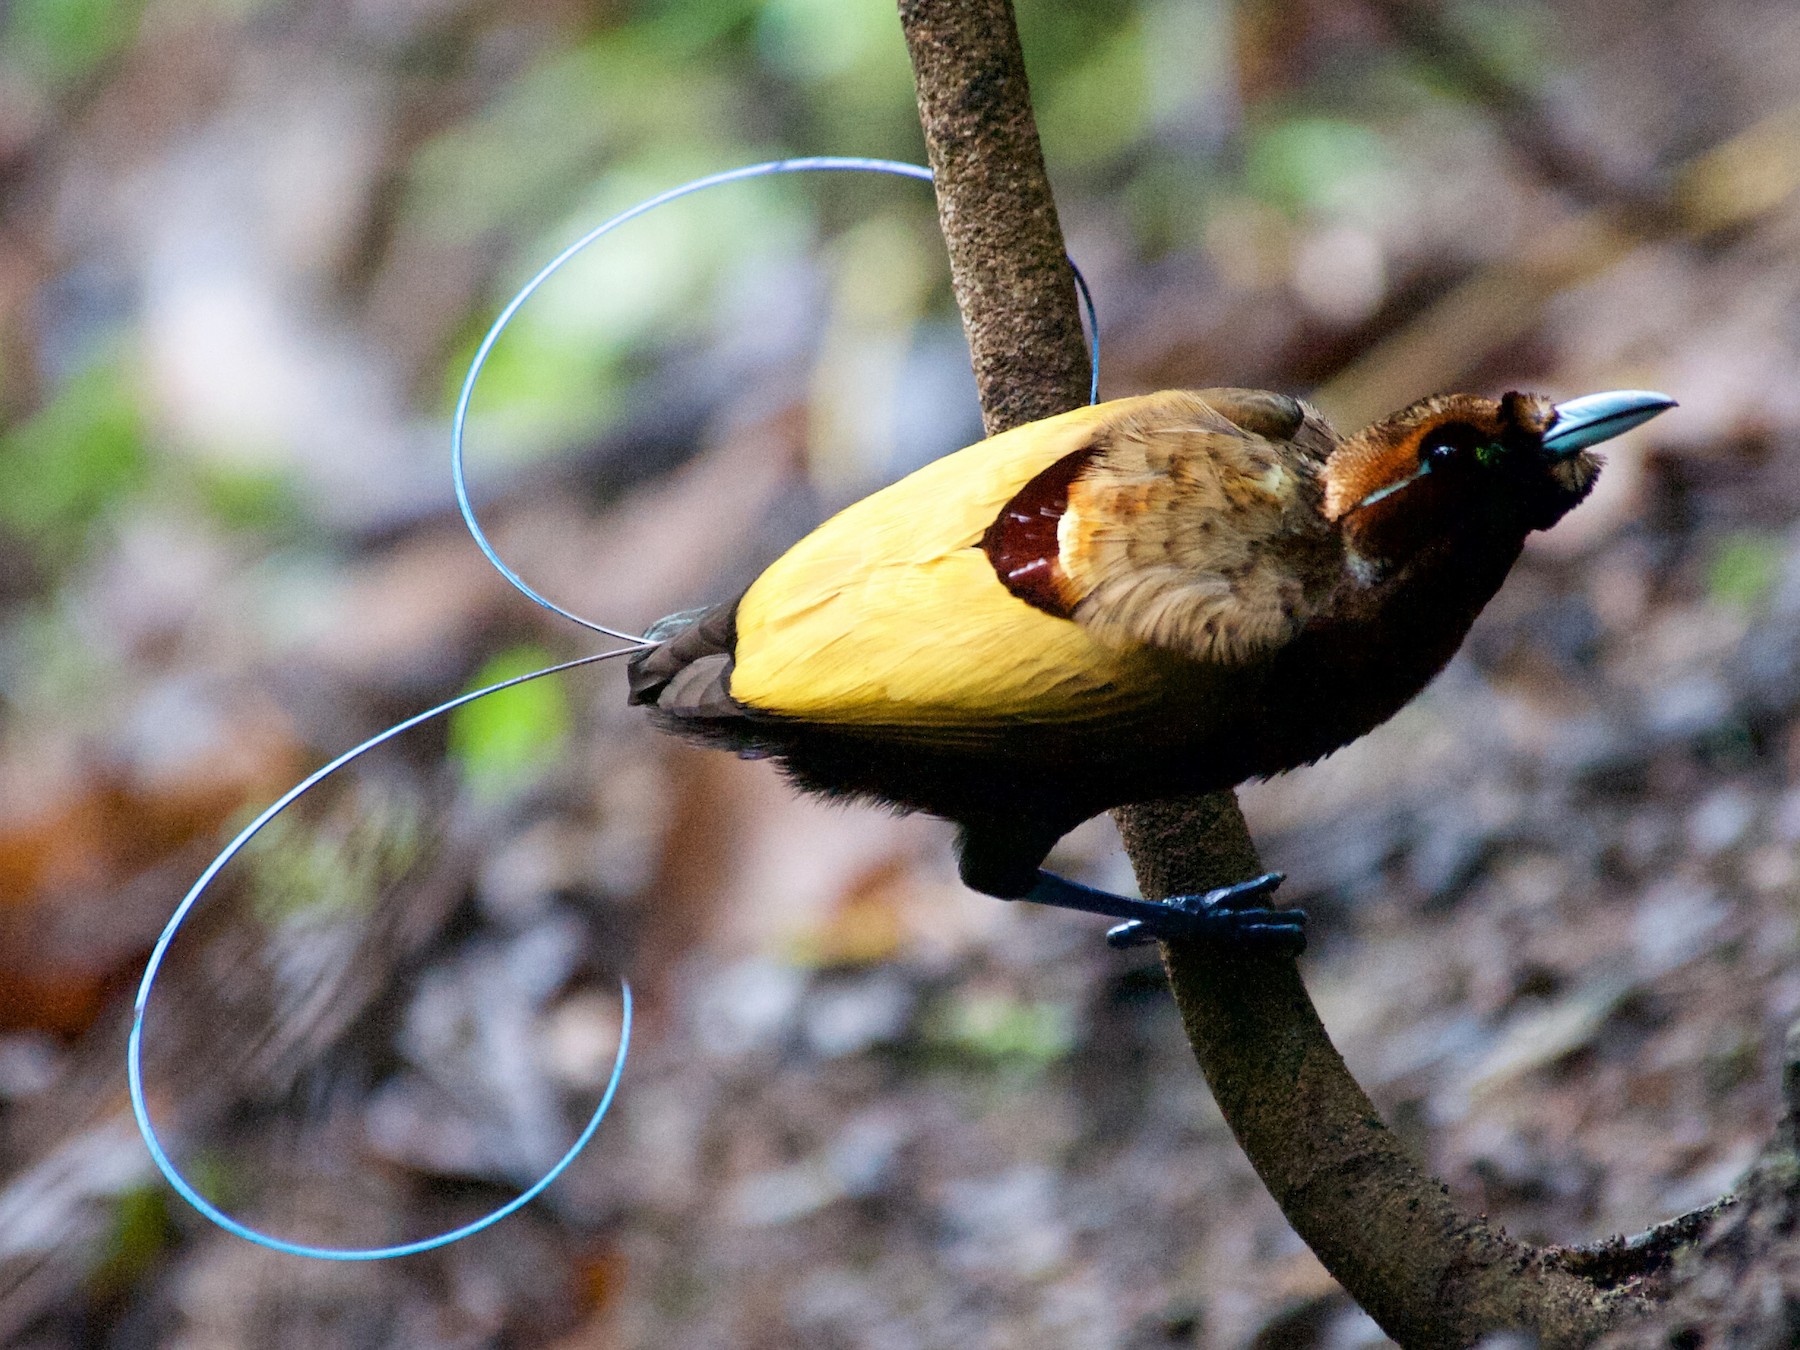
[
  {"x": 506, "y": 741},
  {"x": 61, "y": 40},
  {"x": 1744, "y": 570},
  {"x": 1314, "y": 163},
  {"x": 1020, "y": 1033},
  {"x": 65, "y": 466}
]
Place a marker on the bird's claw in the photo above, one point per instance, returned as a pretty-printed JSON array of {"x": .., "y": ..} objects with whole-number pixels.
[
  {"x": 1227, "y": 915},
  {"x": 1221, "y": 915}
]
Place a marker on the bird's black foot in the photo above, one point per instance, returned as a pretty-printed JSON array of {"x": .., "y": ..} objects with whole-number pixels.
[{"x": 1224, "y": 915}]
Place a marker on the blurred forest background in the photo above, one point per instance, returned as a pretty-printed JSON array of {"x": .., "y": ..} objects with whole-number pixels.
[{"x": 246, "y": 250}]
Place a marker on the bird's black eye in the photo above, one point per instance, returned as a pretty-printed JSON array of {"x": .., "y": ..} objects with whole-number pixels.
[{"x": 1447, "y": 443}]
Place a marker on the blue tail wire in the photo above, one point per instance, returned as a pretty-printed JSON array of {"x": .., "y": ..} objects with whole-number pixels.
[
  {"x": 459, "y": 420},
  {"x": 459, "y": 425},
  {"x": 134, "y": 1051}
]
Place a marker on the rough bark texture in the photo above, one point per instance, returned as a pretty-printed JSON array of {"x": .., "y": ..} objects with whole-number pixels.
[
  {"x": 1012, "y": 279},
  {"x": 1428, "y": 1274}
]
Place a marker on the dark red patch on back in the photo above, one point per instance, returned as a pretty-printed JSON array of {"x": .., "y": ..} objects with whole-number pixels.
[{"x": 1021, "y": 543}]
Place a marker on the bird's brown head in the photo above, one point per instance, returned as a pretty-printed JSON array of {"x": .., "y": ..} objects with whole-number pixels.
[{"x": 1458, "y": 466}]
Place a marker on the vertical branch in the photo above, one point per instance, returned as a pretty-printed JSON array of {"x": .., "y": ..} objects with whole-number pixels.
[
  {"x": 1013, "y": 283},
  {"x": 1428, "y": 1274}
]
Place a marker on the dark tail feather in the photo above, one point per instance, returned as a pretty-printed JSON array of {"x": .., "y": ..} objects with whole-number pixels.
[{"x": 688, "y": 672}]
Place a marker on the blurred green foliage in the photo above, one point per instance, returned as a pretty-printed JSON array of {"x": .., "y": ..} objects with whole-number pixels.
[
  {"x": 1744, "y": 569},
  {"x": 252, "y": 499},
  {"x": 678, "y": 88},
  {"x": 569, "y": 356},
  {"x": 1305, "y": 162},
  {"x": 1138, "y": 101},
  {"x": 851, "y": 55},
  {"x": 141, "y": 1231},
  {"x": 1004, "y": 1031},
  {"x": 507, "y": 740},
  {"x": 1517, "y": 40},
  {"x": 81, "y": 453},
  {"x": 336, "y": 869},
  {"x": 51, "y": 672},
  {"x": 1100, "y": 105},
  {"x": 61, "y": 40},
  {"x": 84, "y": 457}
]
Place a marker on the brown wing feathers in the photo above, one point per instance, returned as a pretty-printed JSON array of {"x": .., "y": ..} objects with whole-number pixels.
[
  {"x": 1177, "y": 527},
  {"x": 1185, "y": 537}
]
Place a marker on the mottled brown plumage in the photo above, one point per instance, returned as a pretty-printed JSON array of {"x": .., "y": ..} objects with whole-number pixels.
[{"x": 1154, "y": 596}]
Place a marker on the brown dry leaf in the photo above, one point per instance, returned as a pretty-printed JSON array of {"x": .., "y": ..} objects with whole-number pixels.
[
  {"x": 69, "y": 935},
  {"x": 62, "y": 1001},
  {"x": 867, "y": 923}
]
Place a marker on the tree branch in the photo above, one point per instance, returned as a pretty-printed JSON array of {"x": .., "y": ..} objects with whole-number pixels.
[
  {"x": 1736, "y": 1279},
  {"x": 1428, "y": 1274},
  {"x": 1007, "y": 260},
  {"x": 1386, "y": 1230}
]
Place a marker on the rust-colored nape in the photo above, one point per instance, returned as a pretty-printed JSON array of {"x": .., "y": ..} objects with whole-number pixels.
[{"x": 1022, "y": 543}]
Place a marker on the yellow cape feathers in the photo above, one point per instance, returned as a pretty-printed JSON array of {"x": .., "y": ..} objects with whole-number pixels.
[{"x": 890, "y": 614}]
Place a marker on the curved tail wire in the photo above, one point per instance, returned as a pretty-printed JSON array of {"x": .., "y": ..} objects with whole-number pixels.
[
  {"x": 459, "y": 424},
  {"x": 814, "y": 164},
  {"x": 134, "y": 1050}
]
